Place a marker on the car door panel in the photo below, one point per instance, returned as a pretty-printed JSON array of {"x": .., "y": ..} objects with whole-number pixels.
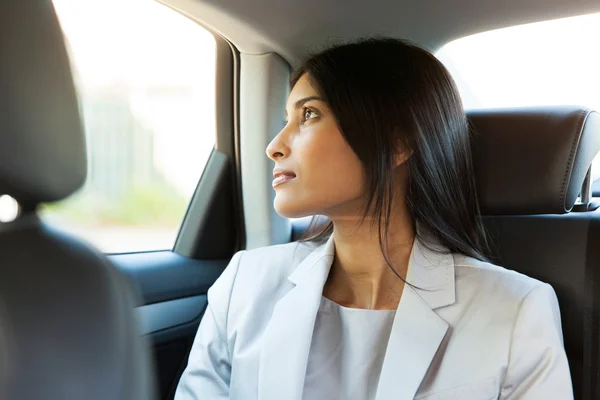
[{"x": 172, "y": 291}]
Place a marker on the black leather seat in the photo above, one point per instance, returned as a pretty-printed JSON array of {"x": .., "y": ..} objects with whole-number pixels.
[
  {"x": 531, "y": 165},
  {"x": 67, "y": 324}
]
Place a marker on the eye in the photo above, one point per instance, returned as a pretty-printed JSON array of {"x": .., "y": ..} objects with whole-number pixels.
[{"x": 307, "y": 114}]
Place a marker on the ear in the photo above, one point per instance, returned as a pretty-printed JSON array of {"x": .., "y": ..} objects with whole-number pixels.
[{"x": 403, "y": 155}]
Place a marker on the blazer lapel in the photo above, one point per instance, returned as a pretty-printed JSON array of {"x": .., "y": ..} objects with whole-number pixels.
[
  {"x": 417, "y": 330},
  {"x": 288, "y": 336},
  {"x": 416, "y": 333}
]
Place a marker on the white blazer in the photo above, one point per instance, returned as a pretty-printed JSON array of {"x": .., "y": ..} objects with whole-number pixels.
[{"x": 472, "y": 330}]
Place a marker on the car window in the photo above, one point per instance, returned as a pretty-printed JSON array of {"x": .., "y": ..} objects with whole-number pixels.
[
  {"x": 545, "y": 63},
  {"x": 147, "y": 89}
]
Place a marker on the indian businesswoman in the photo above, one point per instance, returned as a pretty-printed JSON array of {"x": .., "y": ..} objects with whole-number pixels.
[{"x": 394, "y": 297}]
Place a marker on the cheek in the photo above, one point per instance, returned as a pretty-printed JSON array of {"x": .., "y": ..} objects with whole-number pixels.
[
  {"x": 335, "y": 175},
  {"x": 329, "y": 176}
]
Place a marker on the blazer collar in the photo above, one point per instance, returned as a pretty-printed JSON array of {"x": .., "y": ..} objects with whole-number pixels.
[
  {"x": 416, "y": 333},
  {"x": 431, "y": 272},
  {"x": 319, "y": 260},
  {"x": 430, "y": 269},
  {"x": 287, "y": 339}
]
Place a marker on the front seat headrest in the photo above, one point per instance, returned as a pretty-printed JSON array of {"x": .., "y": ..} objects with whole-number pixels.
[
  {"x": 42, "y": 144},
  {"x": 532, "y": 160}
]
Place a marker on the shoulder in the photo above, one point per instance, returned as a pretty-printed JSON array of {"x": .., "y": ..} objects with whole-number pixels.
[
  {"x": 278, "y": 261},
  {"x": 495, "y": 285},
  {"x": 523, "y": 320},
  {"x": 507, "y": 303},
  {"x": 260, "y": 273},
  {"x": 483, "y": 273},
  {"x": 256, "y": 278}
]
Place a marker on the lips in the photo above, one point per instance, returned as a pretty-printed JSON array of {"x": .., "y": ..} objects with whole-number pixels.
[{"x": 282, "y": 176}]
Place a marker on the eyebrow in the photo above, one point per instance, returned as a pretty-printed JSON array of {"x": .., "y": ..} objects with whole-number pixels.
[{"x": 301, "y": 102}]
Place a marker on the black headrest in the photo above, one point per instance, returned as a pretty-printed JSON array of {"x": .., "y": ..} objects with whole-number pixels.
[
  {"x": 42, "y": 144},
  {"x": 532, "y": 160}
]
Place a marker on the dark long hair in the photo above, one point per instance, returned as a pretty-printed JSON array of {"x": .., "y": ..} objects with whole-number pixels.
[{"x": 386, "y": 95}]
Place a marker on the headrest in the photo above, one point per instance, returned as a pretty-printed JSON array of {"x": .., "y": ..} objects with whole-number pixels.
[
  {"x": 532, "y": 160},
  {"x": 42, "y": 144}
]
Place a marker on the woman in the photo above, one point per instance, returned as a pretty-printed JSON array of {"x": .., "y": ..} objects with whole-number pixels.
[{"x": 393, "y": 299}]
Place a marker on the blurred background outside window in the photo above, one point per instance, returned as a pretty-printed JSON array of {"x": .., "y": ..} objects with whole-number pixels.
[{"x": 146, "y": 81}]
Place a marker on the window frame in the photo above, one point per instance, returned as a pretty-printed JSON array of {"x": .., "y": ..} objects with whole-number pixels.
[{"x": 220, "y": 175}]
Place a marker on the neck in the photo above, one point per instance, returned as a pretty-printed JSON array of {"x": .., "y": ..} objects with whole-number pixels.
[{"x": 360, "y": 276}]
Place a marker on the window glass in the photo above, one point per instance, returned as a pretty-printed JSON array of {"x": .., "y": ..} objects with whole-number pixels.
[
  {"x": 545, "y": 63},
  {"x": 146, "y": 81}
]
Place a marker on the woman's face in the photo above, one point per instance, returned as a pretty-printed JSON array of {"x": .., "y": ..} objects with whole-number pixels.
[{"x": 316, "y": 171}]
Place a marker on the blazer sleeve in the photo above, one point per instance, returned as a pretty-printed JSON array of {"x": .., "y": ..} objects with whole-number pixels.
[
  {"x": 208, "y": 371},
  {"x": 538, "y": 366}
]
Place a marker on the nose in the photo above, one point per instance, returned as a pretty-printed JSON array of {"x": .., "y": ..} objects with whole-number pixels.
[{"x": 277, "y": 149}]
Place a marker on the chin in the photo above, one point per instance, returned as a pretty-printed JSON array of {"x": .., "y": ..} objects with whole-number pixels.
[{"x": 291, "y": 208}]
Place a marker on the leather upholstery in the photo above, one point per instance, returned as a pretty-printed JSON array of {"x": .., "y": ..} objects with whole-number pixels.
[
  {"x": 67, "y": 325},
  {"x": 37, "y": 95},
  {"x": 532, "y": 161}
]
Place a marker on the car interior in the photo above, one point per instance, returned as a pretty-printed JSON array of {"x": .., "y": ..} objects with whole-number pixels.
[{"x": 80, "y": 319}]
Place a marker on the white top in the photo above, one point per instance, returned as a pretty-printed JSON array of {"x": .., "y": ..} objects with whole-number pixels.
[{"x": 346, "y": 352}]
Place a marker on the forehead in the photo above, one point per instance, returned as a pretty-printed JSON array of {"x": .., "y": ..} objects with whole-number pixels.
[{"x": 303, "y": 88}]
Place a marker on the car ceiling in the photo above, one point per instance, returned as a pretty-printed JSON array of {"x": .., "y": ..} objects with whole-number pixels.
[{"x": 294, "y": 28}]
